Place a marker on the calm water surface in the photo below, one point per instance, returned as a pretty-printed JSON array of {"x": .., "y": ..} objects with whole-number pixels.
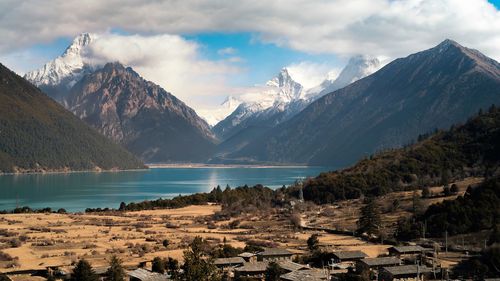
[{"x": 77, "y": 191}]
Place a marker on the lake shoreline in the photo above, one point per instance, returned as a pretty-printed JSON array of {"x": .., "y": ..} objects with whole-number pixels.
[{"x": 221, "y": 166}]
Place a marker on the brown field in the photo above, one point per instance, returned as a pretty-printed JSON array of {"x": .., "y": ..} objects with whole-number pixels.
[
  {"x": 61, "y": 239},
  {"x": 35, "y": 241}
]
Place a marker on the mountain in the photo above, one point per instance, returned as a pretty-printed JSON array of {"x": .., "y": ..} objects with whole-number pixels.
[
  {"x": 410, "y": 96},
  {"x": 59, "y": 75},
  {"x": 358, "y": 67},
  {"x": 37, "y": 134},
  {"x": 140, "y": 115},
  {"x": 274, "y": 98},
  {"x": 469, "y": 150},
  {"x": 220, "y": 113},
  {"x": 281, "y": 99}
]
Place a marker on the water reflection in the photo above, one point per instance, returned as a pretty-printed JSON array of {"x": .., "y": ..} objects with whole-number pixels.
[{"x": 77, "y": 191}]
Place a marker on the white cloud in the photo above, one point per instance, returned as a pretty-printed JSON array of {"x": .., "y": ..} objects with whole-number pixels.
[
  {"x": 227, "y": 51},
  {"x": 382, "y": 28},
  {"x": 373, "y": 27},
  {"x": 168, "y": 60},
  {"x": 311, "y": 74}
]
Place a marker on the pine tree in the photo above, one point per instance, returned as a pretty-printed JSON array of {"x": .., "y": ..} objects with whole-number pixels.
[
  {"x": 495, "y": 234},
  {"x": 173, "y": 268},
  {"x": 273, "y": 272},
  {"x": 313, "y": 242},
  {"x": 83, "y": 272},
  {"x": 196, "y": 265},
  {"x": 115, "y": 271},
  {"x": 158, "y": 265},
  {"x": 426, "y": 192},
  {"x": 417, "y": 205},
  {"x": 370, "y": 221}
]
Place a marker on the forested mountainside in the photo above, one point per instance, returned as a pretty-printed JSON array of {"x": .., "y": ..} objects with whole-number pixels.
[
  {"x": 37, "y": 134},
  {"x": 472, "y": 149}
]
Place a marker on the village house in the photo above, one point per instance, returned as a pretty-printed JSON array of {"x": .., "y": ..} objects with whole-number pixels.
[
  {"x": 225, "y": 263},
  {"x": 407, "y": 251},
  {"x": 248, "y": 257},
  {"x": 253, "y": 270},
  {"x": 142, "y": 274},
  {"x": 374, "y": 264},
  {"x": 407, "y": 272},
  {"x": 274, "y": 254},
  {"x": 301, "y": 275},
  {"x": 348, "y": 257},
  {"x": 256, "y": 270}
]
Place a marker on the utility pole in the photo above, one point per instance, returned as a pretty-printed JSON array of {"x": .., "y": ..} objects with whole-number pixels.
[{"x": 446, "y": 241}]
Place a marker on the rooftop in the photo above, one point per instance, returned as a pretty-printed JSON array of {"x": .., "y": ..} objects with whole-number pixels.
[
  {"x": 345, "y": 255},
  {"x": 381, "y": 261},
  {"x": 275, "y": 252},
  {"x": 407, "y": 269},
  {"x": 146, "y": 275},
  {"x": 310, "y": 275},
  {"x": 259, "y": 266},
  {"x": 291, "y": 266},
  {"x": 246, "y": 255},
  {"x": 408, "y": 249},
  {"x": 229, "y": 261}
]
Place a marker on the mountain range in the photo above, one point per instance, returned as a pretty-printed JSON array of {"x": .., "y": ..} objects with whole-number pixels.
[
  {"x": 281, "y": 99},
  {"x": 39, "y": 135},
  {"x": 435, "y": 88},
  {"x": 363, "y": 110},
  {"x": 138, "y": 114}
]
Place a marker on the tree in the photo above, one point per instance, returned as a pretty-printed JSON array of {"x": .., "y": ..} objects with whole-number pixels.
[
  {"x": 83, "y": 272},
  {"x": 426, "y": 192},
  {"x": 313, "y": 242},
  {"x": 166, "y": 243},
  {"x": 495, "y": 235},
  {"x": 417, "y": 205},
  {"x": 446, "y": 190},
  {"x": 173, "y": 268},
  {"x": 273, "y": 272},
  {"x": 115, "y": 271},
  {"x": 370, "y": 221},
  {"x": 196, "y": 265},
  {"x": 158, "y": 265}
]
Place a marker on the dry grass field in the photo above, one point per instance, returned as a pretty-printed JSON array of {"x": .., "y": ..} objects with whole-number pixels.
[{"x": 36, "y": 241}]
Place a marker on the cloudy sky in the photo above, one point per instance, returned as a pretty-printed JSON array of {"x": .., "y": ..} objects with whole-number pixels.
[{"x": 203, "y": 51}]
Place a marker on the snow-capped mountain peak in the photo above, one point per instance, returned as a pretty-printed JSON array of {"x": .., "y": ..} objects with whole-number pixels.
[
  {"x": 286, "y": 88},
  {"x": 358, "y": 67},
  {"x": 65, "y": 69},
  {"x": 231, "y": 103}
]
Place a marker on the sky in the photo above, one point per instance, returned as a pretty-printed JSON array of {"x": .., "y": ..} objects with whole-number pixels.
[{"x": 203, "y": 51}]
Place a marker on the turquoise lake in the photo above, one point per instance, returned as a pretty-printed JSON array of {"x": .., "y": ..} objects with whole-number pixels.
[{"x": 78, "y": 191}]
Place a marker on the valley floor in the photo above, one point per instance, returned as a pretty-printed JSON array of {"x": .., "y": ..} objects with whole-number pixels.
[{"x": 36, "y": 241}]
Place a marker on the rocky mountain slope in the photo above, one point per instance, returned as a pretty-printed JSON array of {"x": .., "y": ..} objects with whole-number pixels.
[
  {"x": 37, "y": 134},
  {"x": 410, "y": 96},
  {"x": 140, "y": 115}
]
